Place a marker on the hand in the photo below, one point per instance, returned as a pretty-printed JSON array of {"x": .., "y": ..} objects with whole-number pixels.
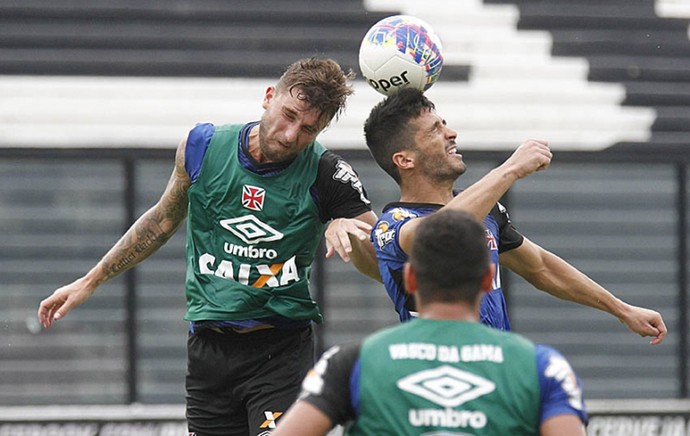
[
  {"x": 645, "y": 322},
  {"x": 338, "y": 236},
  {"x": 532, "y": 155},
  {"x": 62, "y": 301}
]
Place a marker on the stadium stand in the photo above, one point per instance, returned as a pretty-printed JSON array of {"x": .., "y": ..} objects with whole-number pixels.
[
  {"x": 672, "y": 8},
  {"x": 54, "y": 57},
  {"x": 626, "y": 42},
  {"x": 209, "y": 38},
  {"x": 491, "y": 70}
]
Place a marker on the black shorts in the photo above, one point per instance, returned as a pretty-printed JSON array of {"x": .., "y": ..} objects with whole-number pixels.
[{"x": 240, "y": 384}]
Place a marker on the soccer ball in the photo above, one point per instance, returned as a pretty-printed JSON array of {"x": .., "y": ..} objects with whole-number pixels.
[{"x": 400, "y": 51}]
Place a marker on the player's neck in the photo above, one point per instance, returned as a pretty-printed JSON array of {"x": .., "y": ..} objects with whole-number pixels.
[
  {"x": 449, "y": 311},
  {"x": 253, "y": 147},
  {"x": 421, "y": 190}
]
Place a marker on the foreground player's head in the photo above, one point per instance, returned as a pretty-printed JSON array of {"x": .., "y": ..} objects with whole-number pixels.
[
  {"x": 387, "y": 130},
  {"x": 449, "y": 258}
]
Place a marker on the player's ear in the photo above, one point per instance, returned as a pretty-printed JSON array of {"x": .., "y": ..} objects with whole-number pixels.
[
  {"x": 404, "y": 159},
  {"x": 409, "y": 279},
  {"x": 270, "y": 93},
  {"x": 488, "y": 278}
]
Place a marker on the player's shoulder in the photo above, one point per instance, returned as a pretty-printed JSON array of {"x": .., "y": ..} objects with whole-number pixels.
[
  {"x": 333, "y": 164},
  {"x": 346, "y": 350},
  {"x": 554, "y": 368},
  {"x": 200, "y": 133},
  {"x": 550, "y": 360},
  {"x": 227, "y": 127},
  {"x": 561, "y": 388},
  {"x": 338, "y": 358},
  {"x": 387, "y": 225},
  {"x": 340, "y": 189},
  {"x": 395, "y": 212},
  {"x": 395, "y": 215},
  {"x": 327, "y": 156},
  {"x": 349, "y": 351},
  {"x": 402, "y": 211}
]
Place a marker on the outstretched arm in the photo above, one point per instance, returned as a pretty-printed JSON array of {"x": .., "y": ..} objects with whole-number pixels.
[
  {"x": 551, "y": 274},
  {"x": 349, "y": 237},
  {"x": 531, "y": 156},
  {"x": 144, "y": 237}
]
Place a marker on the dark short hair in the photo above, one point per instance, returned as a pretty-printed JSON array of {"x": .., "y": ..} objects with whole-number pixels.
[
  {"x": 386, "y": 130},
  {"x": 320, "y": 82},
  {"x": 449, "y": 256}
]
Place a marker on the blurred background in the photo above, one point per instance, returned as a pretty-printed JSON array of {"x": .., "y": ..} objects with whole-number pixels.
[{"x": 96, "y": 94}]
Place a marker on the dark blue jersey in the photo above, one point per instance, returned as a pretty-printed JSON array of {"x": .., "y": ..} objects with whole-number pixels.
[{"x": 501, "y": 236}]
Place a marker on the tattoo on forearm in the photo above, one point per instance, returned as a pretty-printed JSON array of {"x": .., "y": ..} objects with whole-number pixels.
[
  {"x": 151, "y": 231},
  {"x": 139, "y": 242}
]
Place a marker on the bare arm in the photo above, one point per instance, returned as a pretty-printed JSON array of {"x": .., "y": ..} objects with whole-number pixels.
[
  {"x": 562, "y": 425},
  {"x": 349, "y": 237},
  {"x": 551, "y": 274},
  {"x": 144, "y": 237},
  {"x": 303, "y": 419},
  {"x": 531, "y": 156}
]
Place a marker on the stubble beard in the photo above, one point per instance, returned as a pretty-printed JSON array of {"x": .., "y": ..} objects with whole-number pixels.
[
  {"x": 272, "y": 155},
  {"x": 444, "y": 174}
]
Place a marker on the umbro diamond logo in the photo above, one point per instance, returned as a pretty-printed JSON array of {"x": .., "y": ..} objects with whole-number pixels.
[
  {"x": 251, "y": 230},
  {"x": 446, "y": 386}
]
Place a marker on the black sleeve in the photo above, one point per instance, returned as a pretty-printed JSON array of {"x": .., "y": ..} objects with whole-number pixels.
[
  {"x": 509, "y": 237},
  {"x": 338, "y": 192},
  {"x": 327, "y": 385}
]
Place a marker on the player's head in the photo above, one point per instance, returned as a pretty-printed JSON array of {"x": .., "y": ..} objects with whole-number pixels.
[
  {"x": 387, "y": 130},
  {"x": 305, "y": 100},
  {"x": 321, "y": 83},
  {"x": 405, "y": 135},
  {"x": 449, "y": 258}
]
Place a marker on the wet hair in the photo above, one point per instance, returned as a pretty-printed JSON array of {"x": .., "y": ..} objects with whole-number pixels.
[
  {"x": 449, "y": 257},
  {"x": 387, "y": 129},
  {"x": 320, "y": 82}
]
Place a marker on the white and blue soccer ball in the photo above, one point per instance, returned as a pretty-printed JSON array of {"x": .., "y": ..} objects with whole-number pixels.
[{"x": 400, "y": 51}]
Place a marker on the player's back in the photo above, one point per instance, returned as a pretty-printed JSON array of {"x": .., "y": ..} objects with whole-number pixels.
[{"x": 447, "y": 376}]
